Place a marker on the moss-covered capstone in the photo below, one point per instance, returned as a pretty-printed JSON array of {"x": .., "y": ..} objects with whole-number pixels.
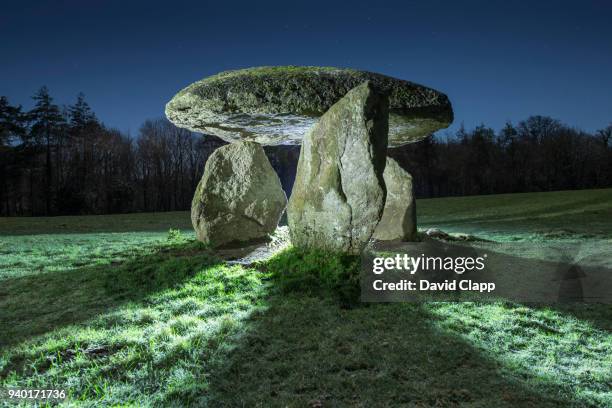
[
  {"x": 239, "y": 197},
  {"x": 339, "y": 192},
  {"x": 277, "y": 105},
  {"x": 398, "y": 221}
]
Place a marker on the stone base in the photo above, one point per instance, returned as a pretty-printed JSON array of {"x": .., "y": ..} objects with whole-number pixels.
[
  {"x": 398, "y": 221},
  {"x": 239, "y": 199}
]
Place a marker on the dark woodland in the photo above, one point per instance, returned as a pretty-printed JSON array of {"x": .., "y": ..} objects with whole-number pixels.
[{"x": 63, "y": 161}]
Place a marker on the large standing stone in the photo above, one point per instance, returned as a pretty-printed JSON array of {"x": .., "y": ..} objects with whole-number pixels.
[
  {"x": 399, "y": 216},
  {"x": 339, "y": 192},
  {"x": 277, "y": 105},
  {"x": 239, "y": 198}
]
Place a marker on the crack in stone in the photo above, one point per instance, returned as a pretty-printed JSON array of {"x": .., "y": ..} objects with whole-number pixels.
[{"x": 343, "y": 194}]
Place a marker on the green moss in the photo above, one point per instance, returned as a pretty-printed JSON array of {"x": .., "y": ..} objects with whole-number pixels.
[
  {"x": 208, "y": 105},
  {"x": 287, "y": 70}
]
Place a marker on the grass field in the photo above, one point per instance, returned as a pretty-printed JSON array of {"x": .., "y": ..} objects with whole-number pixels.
[
  {"x": 118, "y": 311},
  {"x": 577, "y": 215}
]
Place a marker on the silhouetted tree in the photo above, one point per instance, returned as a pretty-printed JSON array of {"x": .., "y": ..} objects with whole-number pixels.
[
  {"x": 46, "y": 120},
  {"x": 12, "y": 129},
  {"x": 12, "y": 122},
  {"x": 605, "y": 135}
]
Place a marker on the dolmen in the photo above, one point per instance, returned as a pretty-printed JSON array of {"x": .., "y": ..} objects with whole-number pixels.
[{"x": 346, "y": 190}]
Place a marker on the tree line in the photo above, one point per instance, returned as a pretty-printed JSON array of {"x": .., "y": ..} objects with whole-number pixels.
[
  {"x": 538, "y": 154},
  {"x": 62, "y": 161}
]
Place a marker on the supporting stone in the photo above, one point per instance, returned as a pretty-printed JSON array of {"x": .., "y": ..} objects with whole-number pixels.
[
  {"x": 239, "y": 197},
  {"x": 339, "y": 193},
  {"x": 398, "y": 221}
]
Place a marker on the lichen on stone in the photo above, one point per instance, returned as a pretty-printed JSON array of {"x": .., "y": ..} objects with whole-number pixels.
[
  {"x": 239, "y": 198},
  {"x": 276, "y": 105},
  {"x": 339, "y": 193}
]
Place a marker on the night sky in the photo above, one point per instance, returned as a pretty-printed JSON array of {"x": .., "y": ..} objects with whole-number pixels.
[{"x": 496, "y": 60}]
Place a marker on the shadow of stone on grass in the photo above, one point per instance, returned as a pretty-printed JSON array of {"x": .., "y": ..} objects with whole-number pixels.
[
  {"x": 36, "y": 304},
  {"x": 307, "y": 351}
]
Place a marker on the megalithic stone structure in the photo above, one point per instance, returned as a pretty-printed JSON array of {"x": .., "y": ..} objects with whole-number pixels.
[
  {"x": 345, "y": 127},
  {"x": 339, "y": 193}
]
